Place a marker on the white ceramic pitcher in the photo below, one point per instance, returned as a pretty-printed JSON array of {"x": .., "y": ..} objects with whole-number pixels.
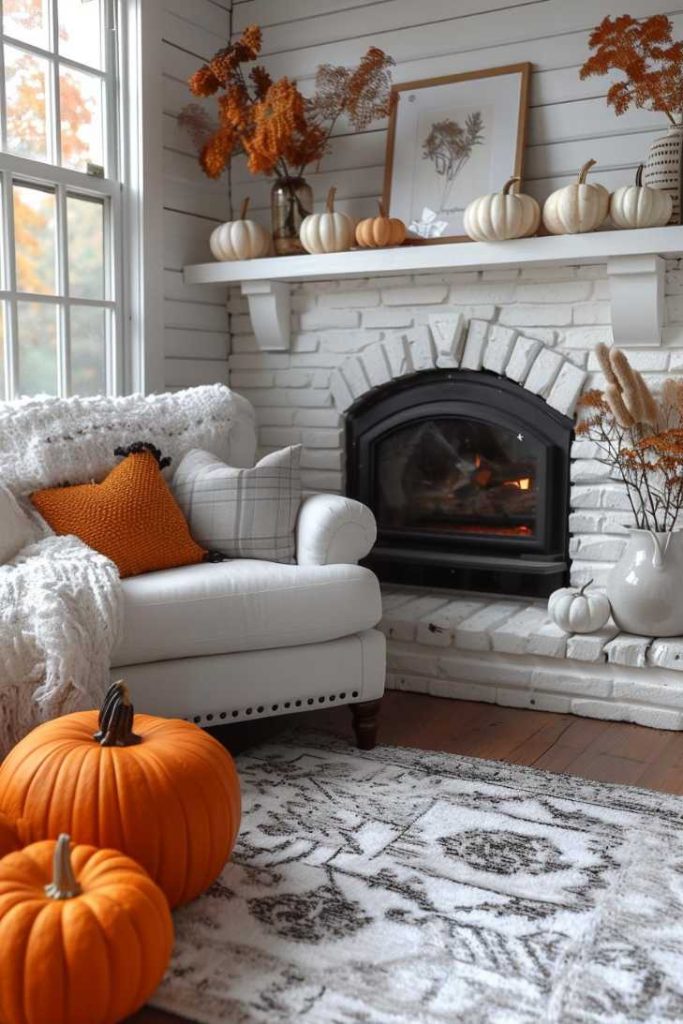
[{"x": 645, "y": 587}]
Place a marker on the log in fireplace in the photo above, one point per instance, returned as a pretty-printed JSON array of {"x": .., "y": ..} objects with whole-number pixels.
[{"x": 468, "y": 476}]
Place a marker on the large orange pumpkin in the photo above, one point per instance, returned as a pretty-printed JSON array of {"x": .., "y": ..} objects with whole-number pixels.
[
  {"x": 167, "y": 794},
  {"x": 9, "y": 841},
  {"x": 85, "y": 935}
]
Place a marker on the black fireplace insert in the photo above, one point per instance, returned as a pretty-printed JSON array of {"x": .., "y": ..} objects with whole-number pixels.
[{"x": 468, "y": 476}]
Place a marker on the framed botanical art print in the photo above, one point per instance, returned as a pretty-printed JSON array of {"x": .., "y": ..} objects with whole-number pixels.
[{"x": 452, "y": 139}]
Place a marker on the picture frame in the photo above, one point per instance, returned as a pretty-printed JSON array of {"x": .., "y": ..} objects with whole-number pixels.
[{"x": 451, "y": 139}]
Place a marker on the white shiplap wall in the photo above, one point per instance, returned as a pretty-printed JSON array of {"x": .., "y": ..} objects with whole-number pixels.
[
  {"x": 195, "y": 319},
  {"x": 568, "y": 123}
]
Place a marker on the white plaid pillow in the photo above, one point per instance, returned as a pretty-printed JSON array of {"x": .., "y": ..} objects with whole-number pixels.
[{"x": 245, "y": 513}]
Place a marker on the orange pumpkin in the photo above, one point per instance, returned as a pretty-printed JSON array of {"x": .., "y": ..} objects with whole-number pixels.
[
  {"x": 167, "y": 795},
  {"x": 85, "y": 935},
  {"x": 9, "y": 841},
  {"x": 380, "y": 232}
]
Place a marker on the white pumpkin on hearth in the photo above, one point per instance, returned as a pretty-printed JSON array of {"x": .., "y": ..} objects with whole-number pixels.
[{"x": 579, "y": 610}]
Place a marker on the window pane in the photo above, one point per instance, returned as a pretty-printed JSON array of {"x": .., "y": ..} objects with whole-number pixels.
[
  {"x": 85, "y": 218},
  {"x": 80, "y": 99},
  {"x": 28, "y": 20},
  {"x": 88, "y": 348},
  {"x": 34, "y": 238},
  {"x": 37, "y": 347},
  {"x": 26, "y": 78},
  {"x": 80, "y": 31}
]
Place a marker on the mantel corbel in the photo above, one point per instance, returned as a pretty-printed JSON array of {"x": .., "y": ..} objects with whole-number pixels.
[
  {"x": 636, "y": 285},
  {"x": 269, "y": 309}
]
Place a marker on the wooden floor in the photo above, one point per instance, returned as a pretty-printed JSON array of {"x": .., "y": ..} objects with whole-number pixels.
[{"x": 603, "y": 751}]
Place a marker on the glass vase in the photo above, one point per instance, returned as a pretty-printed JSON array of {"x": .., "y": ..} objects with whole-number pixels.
[{"x": 291, "y": 199}]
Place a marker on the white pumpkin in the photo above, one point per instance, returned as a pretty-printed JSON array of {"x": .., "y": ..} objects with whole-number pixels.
[
  {"x": 329, "y": 231},
  {"x": 240, "y": 239},
  {"x": 502, "y": 215},
  {"x": 576, "y": 208},
  {"x": 637, "y": 206},
  {"x": 576, "y": 611}
]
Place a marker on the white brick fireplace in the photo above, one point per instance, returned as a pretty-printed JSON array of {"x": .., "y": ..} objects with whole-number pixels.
[{"x": 536, "y": 326}]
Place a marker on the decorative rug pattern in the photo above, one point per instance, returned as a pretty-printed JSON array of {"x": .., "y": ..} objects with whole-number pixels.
[{"x": 402, "y": 887}]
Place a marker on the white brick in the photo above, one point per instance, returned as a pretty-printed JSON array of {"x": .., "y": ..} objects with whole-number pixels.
[
  {"x": 553, "y": 291},
  {"x": 411, "y": 660},
  {"x": 422, "y": 351},
  {"x": 437, "y": 630},
  {"x": 596, "y": 312},
  {"x": 601, "y": 289},
  {"x": 591, "y": 646},
  {"x": 568, "y": 386},
  {"x": 475, "y": 343},
  {"x": 292, "y": 378},
  {"x": 629, "y": 650},
  {"x": 276, "y": 417},
  {"x": 305, "y": 342},
  {"x": 609, "y": 495},
  {"x": 448, "y": 332},
  {"x": 353, "y": 373},
  {"x": 391, "y": 317},
  {"x": 512, "y": 636},
  {"x": 485, "y": 669},
  {"x": 640, "y": 691},
  {"x": 321, "y": 458},
  {"x": 279, "y": 437},
  {"x": 480, "y": 692},
  {"x": 587, "y": 337},
  {"x": 543, "y": 372},
  {"x": 658, "y": 718},
  {"x": 499, "y": 345},
  {"x": 322, "y": 438},
  {"x": 360, "y": 299},
  {"x": 604, "y": 709},
  {"x": 322, "y": 319},
  {"x": 589, "y": 572},
  {"x": 376, "y": 365},
  {"x": 495, "y": 292},
  {"x": 402, "y": 623},
  {"x": 508, "y": 274},
  {"x": 521, "y": 360},
  {"x": 532, "y": 699},
  {"x": 602, "y": 548},
  {"x": 317, "y": 417},
  {"x": 474, "y": 633},
  {"x": 257, "y": 379},
  {"x": 322, "y": 480},
  {"x": 321, "y": 379},
  {"x": 259, "y": 361},
  {"x": 397, "y": 351},
  {"x": 572, "y": 683},
  {"x": 550, "y": 315},
  {"x": 341, "y": 392},
  {"x": 548, "y": 641},
  {"x": 550, "y": 273},
  {"x": 666, "y": 653},
  {"x": 348, "y": 341},
  {"x": 423, "y": 295}
]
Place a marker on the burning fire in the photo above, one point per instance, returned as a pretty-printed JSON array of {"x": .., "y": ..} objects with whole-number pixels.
[{"x": 522, "y": 485}]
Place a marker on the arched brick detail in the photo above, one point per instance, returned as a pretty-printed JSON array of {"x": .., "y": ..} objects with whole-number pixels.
[{"x": 455, "y": 344}]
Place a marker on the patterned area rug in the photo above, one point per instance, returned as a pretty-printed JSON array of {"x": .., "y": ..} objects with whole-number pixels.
[{"x": 402, "y": 887}]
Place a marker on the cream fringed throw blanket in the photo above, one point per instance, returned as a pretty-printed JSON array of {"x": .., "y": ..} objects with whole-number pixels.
[{"x": 60, "y": 602}]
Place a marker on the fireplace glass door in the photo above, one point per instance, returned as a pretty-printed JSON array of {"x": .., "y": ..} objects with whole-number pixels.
[{"x": 459, "y": 476}]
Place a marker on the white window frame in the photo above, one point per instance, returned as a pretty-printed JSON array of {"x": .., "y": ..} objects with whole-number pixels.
[{"x": 133, "y": 206}]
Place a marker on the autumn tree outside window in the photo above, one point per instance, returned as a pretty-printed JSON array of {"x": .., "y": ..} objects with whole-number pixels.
[{"x": 61, "y": 198}]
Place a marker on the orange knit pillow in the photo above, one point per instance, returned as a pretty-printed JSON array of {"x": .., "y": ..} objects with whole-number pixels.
[{"x": 131, "y": 517}]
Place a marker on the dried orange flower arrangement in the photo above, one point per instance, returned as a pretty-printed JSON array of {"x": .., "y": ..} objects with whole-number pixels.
[
  {"x": 639, "y": 438},
  {"x": 280, "y": 131},
  {"x": 651, "y": 61}
]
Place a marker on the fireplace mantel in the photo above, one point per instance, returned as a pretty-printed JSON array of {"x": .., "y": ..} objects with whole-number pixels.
[{"x": 634, "y": 261}]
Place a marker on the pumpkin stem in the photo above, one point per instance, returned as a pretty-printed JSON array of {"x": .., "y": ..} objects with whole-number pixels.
[
  {"x": 509, "y": 183},
  {"x": 382, "y": 209},
  {"x": 639, "y": 175},
  {"x": 63, "y": 885},
  {"x": 584, "y": 171},
  {"x": 585, "y": 587},
  {"x": 245, "y": 207},
  {"x": 116, "y": 719},
  {"x": 330, "y": 199}
]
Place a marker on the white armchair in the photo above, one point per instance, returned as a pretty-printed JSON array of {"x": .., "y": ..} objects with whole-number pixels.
[{"x": 333, "y": 530}]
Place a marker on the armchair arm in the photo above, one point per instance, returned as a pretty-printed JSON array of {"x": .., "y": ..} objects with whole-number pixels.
[{"x": 332, "y": 529}]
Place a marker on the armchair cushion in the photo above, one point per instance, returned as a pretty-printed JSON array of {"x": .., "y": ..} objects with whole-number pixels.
[{"x": 332, "y": 529}]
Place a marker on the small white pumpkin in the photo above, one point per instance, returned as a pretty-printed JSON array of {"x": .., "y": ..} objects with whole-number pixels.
[
  {"x": 576, "y": 208},
  {"x": 502, "y": 215},
  {"x": 240, "y": 239},
  {"x": 329, "y": 231},
  {"x": 638, "y": 206},
  {"x": 576, "y": 611}
]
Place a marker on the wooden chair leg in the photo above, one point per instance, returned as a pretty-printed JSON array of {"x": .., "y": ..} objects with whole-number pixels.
[{"x": 366, "y": 723}]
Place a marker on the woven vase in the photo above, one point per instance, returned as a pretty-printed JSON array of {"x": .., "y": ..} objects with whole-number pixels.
[{"x": 664, "y": 168}]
